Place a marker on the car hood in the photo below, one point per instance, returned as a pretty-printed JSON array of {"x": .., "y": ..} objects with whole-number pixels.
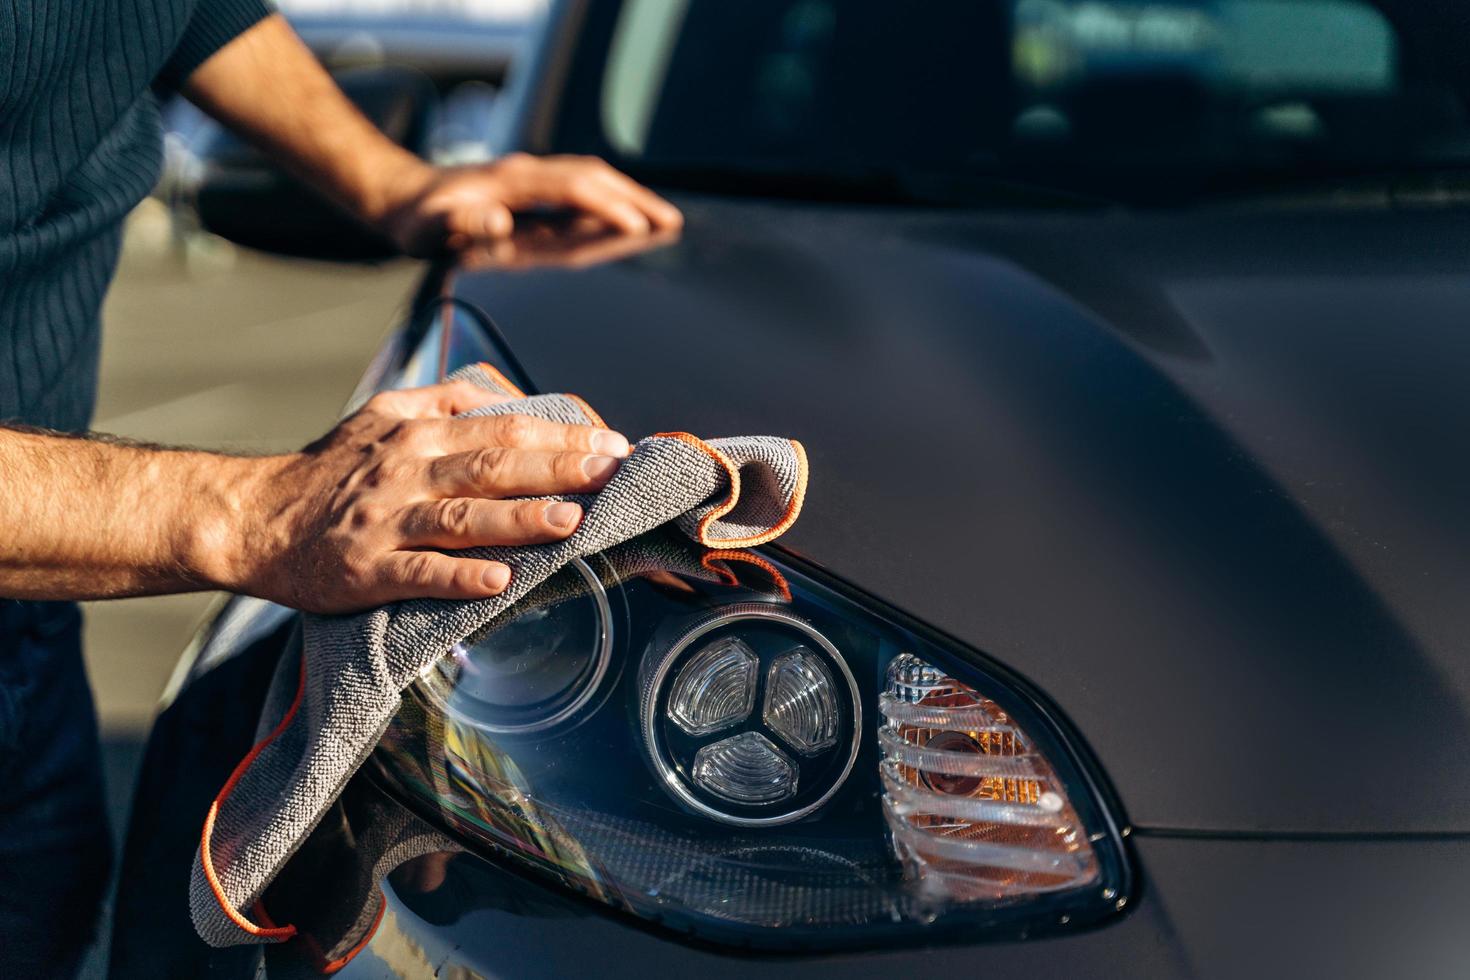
[{"x": 1201, "y": 476}]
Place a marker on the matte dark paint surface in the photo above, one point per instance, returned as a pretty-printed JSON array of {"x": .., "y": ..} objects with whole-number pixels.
[
  {"x": 1201, "y": 476},
  {"x": 1220, "y": 909},
  {"x": 1208, "y": 907}
]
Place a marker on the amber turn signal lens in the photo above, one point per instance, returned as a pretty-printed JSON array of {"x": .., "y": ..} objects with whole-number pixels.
[{"x": 975, "y": 811}]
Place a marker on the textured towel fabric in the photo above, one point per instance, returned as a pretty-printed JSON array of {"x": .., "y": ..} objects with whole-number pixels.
[
  {"x": 724, "y": 493},
  {"x": 336, "y": 888},
  {"x": 363, "y": 838}
]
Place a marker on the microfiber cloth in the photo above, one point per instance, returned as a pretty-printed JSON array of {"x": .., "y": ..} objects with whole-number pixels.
[
  {"x": 333, "y": 882},
  {"x": 723, "y": 493}
]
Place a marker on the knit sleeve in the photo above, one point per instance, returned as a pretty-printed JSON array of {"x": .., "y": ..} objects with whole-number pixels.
[{"x": 213, "y": 24}]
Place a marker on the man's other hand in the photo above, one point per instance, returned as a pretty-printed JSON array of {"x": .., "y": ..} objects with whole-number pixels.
[
  {"x": 359, "y": 517},
  {"x": 433, "y": 209}
]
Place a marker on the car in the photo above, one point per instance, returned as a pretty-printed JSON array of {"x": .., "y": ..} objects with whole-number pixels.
[{"x": 1123, "y": 633}]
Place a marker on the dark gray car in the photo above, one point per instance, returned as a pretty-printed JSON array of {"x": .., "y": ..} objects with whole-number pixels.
[{"x": 1124, "y": 633}]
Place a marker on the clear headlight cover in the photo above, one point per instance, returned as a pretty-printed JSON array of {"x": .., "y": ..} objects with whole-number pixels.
[{"x": 737, "y": 749}]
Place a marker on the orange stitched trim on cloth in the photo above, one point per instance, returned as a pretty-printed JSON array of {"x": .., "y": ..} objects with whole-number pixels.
[
  {"x": 780, "y": 580},
  {"x": 727, "y": 577},
  {"x": 500, "y": 379},
  {"x": 591, "y": 413},
  {"x": 315, "y": 948},
  {"x": 793, "y": 506},
  {"x": 271, "y": 931},
  {"x": 728, "y": 504},
  {"x": 345, "y": 958},
  {"x": 318, "y": 955}
]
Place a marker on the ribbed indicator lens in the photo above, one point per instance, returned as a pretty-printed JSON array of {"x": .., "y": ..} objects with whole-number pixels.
[
  {"x": 716, "y": 688},
  {"x": 745, "y": 768},
  {"x": 801, "y": 701},
  {"x": 975, "y": 812}
]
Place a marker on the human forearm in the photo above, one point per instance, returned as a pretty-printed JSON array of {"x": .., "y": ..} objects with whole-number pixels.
[
  {"x": 85, "y": 518},
  {"x": 358, "y": 518},
  {"x": 267, "y": 86}
]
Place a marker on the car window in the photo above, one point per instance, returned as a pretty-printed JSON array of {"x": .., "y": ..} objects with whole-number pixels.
[{"x": 1109, "y": 96}]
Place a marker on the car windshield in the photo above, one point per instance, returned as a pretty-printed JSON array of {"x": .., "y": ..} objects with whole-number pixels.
[{"x": 1106, "y": 98}]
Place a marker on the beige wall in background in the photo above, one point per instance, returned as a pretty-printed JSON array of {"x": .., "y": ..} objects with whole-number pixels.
[{"x": 211, "y": 346}]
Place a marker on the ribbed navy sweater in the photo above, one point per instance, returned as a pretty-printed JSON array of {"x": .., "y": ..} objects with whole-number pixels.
[{"x": 80, "y": 144}]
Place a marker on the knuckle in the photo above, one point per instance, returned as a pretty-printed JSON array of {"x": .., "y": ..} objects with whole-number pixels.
[
  {"x": 464, "y": 576},
  {"x": 381, "y": 402},
  {"x": 381, "y": 473},
  {"x": 357, "y": 572},
  {"x": 454, "y": 517},
  {"x": 399, "y": 434},
  {"x": 413, "y": 435},
  {"x": 418, "y": 568},
  {"x": 514, "y": 429},
  {"x": 362, "y": 516},
  {"x": 465, "y": 389},
  {"x": 529, "y": 517},
  {"x": 489, "y": 467},
  {"x": 393, "y": 470}
]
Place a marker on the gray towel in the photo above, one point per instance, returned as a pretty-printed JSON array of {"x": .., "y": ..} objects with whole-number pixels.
[
  {"x": 724, "y": 493},
  {"x": 364, "y": 838}
]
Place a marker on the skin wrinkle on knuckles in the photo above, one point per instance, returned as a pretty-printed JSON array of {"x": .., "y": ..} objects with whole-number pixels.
[{"x": 400, "y": 495}]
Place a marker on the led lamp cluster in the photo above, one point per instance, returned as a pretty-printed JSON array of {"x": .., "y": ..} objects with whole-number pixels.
[{"x": 752, "y": 717}]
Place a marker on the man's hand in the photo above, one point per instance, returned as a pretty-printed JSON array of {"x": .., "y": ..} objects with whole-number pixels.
[
  {"x": 355, "y": 519},
  {"x": 268, "y": 87},
  {"x": 463, "y": 207}
]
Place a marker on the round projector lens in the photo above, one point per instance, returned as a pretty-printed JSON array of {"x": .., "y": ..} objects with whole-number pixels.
[{"x": 535, "y": 670}]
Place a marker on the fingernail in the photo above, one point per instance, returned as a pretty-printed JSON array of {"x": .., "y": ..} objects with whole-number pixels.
[
  {"x": 563, "y": 515},
  {"x": 495, "y": 576},
  {"x": 599, "y": 467},
  {"x": 610, "y": 443}
]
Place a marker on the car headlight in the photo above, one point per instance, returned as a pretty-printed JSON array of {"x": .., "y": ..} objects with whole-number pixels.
[{"x": 739, "y": 749}]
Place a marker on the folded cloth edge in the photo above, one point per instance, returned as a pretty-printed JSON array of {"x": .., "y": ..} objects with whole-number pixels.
[{"x": 726, "y": 515}]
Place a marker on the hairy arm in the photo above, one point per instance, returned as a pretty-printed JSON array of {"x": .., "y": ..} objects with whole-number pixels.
[
  {"x": 87, "y": 518},
  {"x": 354, "y": 520},
  {"x": 266, "y": 85}
]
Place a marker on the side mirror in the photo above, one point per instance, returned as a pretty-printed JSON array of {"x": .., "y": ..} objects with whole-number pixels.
[{"x": 242, "y": 196}]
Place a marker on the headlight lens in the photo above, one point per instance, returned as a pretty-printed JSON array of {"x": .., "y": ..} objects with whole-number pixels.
[{"x": 743, "y": 751}]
